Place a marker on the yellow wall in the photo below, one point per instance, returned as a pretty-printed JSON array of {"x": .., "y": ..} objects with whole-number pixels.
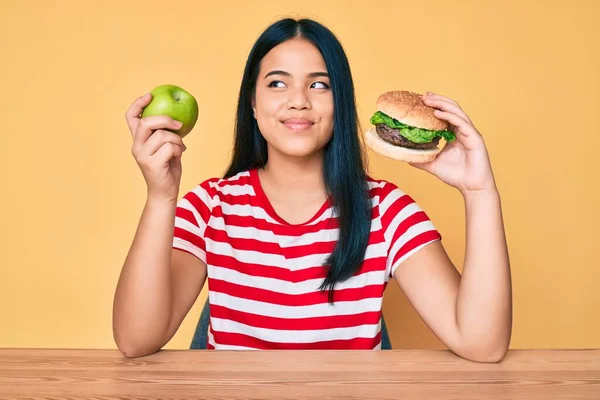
[{"x": 526, "y": 73}]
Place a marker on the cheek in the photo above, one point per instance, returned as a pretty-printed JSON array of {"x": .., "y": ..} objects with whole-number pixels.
[
  {"x": 268, "y": 105},
  {"x": 327, "y": 114},
  {"x": 326, "y": 107}
]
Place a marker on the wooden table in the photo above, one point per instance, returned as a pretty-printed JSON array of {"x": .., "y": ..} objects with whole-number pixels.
[{"x": 390, "y": 374}]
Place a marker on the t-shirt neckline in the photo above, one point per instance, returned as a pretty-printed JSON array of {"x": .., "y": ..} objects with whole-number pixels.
[{"x": 264, "y": 200}]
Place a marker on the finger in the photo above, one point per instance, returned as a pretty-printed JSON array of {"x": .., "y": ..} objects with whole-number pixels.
[
  {"x": 148, "y": 125},
  {"x": 135, "y": 109},
  {"x": 439, "y": 96},
  {"x": 166, "y": 152},
  {"x": 159, "y": 138},
  {"x": 430, "y": 166},
  {"x": 465, "y": 132},
  {"x": 447, "y": 106}
]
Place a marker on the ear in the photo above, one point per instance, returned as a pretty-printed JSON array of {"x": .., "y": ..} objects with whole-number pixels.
[{"x": 253, "y": 102}]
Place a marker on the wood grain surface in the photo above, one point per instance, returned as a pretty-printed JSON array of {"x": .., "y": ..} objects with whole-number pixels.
[{"x": 393, "y": 374}]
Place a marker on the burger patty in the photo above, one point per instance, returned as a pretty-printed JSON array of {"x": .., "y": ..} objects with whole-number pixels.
[{"x": 394, "y": 137}]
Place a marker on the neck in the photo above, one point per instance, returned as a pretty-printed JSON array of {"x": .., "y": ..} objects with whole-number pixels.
[{"x": 294, "y": 176}]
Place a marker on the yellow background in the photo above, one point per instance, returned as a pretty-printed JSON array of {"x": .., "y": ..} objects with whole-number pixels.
[{"x": 526, "y": 72}]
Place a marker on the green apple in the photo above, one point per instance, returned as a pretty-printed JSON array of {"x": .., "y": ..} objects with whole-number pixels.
[{"x": 175, "y": 102}]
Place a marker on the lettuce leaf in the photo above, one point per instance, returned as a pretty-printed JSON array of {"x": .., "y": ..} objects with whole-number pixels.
[{"x": 416, "y": 135}]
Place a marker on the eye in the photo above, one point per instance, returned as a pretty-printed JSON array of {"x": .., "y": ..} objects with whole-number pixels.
[
  {"x": 271, "y": 84},
  {"x": 322, "y": 83}
]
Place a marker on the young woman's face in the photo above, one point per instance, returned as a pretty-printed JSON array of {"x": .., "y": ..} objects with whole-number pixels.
[{"x": 293, "y": 92}]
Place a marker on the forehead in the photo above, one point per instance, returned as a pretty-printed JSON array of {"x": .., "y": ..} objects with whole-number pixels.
[{"x": 296, "y": 56}]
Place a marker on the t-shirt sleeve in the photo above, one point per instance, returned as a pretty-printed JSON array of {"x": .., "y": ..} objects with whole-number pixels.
[
  {"x": 191, "y": 218},
  {"x": 407, "y": 228}
]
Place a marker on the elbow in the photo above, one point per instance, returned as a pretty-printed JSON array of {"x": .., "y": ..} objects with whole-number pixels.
[
  {"x": 131, "y": 348},
  {"x": 127, "y": 349},
  {"x": 128, "y": 353},
  {"x": 491, "y": 357},
  {"x": 485, "y": 355},
  {"x": 132, "y": 351},
  {"x": 486, "y": 348},
  {"x": 484, "y": 351}
]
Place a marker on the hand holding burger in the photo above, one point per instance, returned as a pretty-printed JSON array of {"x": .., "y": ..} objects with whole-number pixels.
[
  {"x": 406, "y": 129},
  {"x": 409, "y": 127}
]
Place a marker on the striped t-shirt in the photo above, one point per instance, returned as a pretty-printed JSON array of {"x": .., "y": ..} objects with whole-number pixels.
[{"x": 263, "y": 273}]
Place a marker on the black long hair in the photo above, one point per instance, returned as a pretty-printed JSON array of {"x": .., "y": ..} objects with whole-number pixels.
[{"x": 344, "y": 167}]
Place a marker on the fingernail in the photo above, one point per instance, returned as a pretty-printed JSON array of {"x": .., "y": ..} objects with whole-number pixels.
[
  {"x": 177, "y": 124},
  {"x": 146, "y": 96}
]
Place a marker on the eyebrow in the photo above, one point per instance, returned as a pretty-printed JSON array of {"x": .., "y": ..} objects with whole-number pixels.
[{"x": 311, "y": 75}]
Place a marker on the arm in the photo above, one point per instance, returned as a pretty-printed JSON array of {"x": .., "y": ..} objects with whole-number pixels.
[
  {"x": 484, "y": 305},
  {"x": 157, "y": 286},
  {"x": 472, "y": 314}
]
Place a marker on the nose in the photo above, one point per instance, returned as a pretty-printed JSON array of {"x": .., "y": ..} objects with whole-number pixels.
[{"x": 298, "y": 100}]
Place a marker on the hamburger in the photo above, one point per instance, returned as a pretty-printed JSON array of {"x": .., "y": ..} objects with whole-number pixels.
[{"x": 406, "y": 129}]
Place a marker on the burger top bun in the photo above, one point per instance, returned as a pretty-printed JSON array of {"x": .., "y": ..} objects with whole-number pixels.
[{"x": 409, "y": 108}]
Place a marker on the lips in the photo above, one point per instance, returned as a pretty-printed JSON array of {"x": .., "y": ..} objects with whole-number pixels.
[{"x": 298, "y": 123}]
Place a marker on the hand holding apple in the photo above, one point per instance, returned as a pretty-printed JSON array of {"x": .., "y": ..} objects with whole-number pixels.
[
  {"x": 157, "y": 150},
  {"x": 176, "y": 103}
]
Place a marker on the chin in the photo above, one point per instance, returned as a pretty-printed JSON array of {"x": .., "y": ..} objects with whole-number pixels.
[{"x": 298, "y": 150}]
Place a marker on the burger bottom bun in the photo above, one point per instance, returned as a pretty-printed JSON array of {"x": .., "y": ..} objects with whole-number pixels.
[{"x": 378, "y": 145}]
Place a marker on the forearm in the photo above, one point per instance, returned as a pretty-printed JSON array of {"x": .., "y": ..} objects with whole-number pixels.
[
  {"x": 142, "y": 304},
  {"x": 484, "y": 303}
]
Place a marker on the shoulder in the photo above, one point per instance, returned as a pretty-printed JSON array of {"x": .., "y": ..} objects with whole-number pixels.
[
  {"x": 211, "y": 190},
  {"x": 219, "y": 186},
  {"x": 396, "y": 208},
  {"x": 384, "y": 192}
]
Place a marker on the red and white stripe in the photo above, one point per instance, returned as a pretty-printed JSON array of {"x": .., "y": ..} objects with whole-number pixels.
[{"x": 264, "y": 274}]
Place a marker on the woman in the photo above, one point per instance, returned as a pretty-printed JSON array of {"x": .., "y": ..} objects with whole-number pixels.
[{"x": 298, "y": 242}]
